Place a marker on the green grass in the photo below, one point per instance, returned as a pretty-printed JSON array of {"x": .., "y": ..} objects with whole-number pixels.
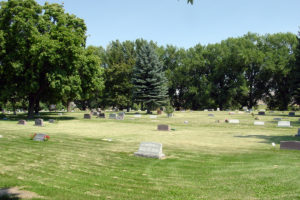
[{"x": 204, "y": 159}]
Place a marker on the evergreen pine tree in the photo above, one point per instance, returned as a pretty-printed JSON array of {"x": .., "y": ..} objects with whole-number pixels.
[{"x": 149, "y": 81}]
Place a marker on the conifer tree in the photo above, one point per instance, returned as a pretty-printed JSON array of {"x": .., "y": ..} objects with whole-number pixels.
[{"x": 149, "y": 81}]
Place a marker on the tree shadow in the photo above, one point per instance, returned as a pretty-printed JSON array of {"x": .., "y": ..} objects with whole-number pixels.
[
  {"x": 5, "y": 194},
  {"x": 270, "y": 139},
  {"x": 44, "y": 116}
]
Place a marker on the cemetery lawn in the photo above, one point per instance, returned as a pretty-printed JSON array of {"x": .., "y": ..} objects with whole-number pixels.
[{"x": 204, "y": 159}]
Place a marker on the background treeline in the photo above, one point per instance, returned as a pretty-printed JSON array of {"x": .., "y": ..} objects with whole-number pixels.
[
  {"x": 44, "y": 60},
  {"x": 234, "y": 73}
]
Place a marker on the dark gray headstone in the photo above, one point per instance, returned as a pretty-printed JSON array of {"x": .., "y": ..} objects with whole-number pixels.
[
  {"x": 22, "y": 122},
  {"x": 163, "y": 127},
  {"x": 87, "y": 116},
  {"x": 39, "y": 122},
  {"x": 293, "y": 145},
  {"x": 39, "y": 137},
  {"x": 261, "y": 113},
  {"x": 101, "y": 115},
  {"x": 291, "y": 114}
]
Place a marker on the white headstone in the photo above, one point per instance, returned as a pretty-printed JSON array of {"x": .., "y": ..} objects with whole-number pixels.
[
  {"x": 218, "y": 109},
  {"x": 259, "y": 123},
  {"x": 39, "y": 137},
  {"x": 137, "y": 115},
  {"x": 150, "y": 149},
  {"x": 233, "y": 121},
  {"x": 153, "y": 116},
  {"x": 284, "y": 124}
]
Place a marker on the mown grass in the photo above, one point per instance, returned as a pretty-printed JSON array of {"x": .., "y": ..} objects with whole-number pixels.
[{"x": 205, "y": 159}]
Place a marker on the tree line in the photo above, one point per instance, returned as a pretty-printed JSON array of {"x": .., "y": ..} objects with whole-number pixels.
[{"x": 44, "y": 60}]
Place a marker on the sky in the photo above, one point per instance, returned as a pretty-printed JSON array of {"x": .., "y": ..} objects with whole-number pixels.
[{"x": 177, "y": 23}]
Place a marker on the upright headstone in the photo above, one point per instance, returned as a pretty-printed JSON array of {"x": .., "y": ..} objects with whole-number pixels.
[
  {"x": 218, "y": 109},
  {"x": 95, "y": 113},
  {"x": 210, "y": 110},
  {"x": 293, "y": 145},
  {"x": 113, "y": 116},
  {"x": 51, "y": 120},
  {"x": 291, "y": 114},
  {"x": 87, "y": 116},
  {"x": 284, "y": 124},
  {"x": 259, "y": 123},
  {"x": 121, "y": 116},
  {"x": 101, "y": 115},
  {"x": 163, "y": 127},
  {"x": 22, "y": 122},
  {"x": 39, "y": 122},
  {"x": 150, "y": 150},
  {"x": 298, "y": 134},
  {"x": 261, "y": 113},
  {"x": 205, "y": 110},
  {"x": 233, "y": 121}
]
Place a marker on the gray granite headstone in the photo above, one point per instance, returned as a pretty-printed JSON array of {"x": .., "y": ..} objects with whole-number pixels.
[
  {"x": 39, "y": 122},
  {"x": 39, "y": 137},
  {"x": 22, "y": 122},
  {"x": 113, "y": 116},
  {"x": 291, "y": 114},
  {"x": 211, "y": 115},
  {"x": 293, "y": 145},
  {"x": 121, "y": 116},
  {"x": 102, "y": 115},
  {"x": 51, "y": 120},
  {"x": 163, "y": 127},
  {"x": 87, "y": 116},
  {"x": 95, "y": 113},
  {"x": 150, "y": 150}
]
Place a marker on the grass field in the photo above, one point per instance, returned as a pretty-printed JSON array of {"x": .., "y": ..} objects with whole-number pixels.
[{"x": 204, "y": 159}]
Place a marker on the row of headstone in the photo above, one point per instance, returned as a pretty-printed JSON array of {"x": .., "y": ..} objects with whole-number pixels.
[{"x": 37, "y": 122}]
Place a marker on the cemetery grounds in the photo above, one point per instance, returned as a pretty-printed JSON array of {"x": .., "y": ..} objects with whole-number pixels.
[{"x": 94, "y": 158}]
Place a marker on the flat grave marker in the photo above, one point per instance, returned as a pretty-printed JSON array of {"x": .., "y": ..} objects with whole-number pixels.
[
  {"x": 261, "y": 113},
  {"x": 211, "y": 115},
  {"x": 150, "y": 150},
  {"x": 277, "y": 119},
  {"x": 284, "y": 124},
  {"x": 233, "y": 121},
  {"x": 39, "y": 137},
  {"x": 38, "y": 122},
  {"x": 137, "y": 115},
  {"x": 292, "y": 145},
  {"x": 231, "y": 113},
  {"x": 291, "y": 114},
  {"x": 259, "y": 123},
  {"x": 153, "y": 116},
  {"x": 163, "y": 127}
]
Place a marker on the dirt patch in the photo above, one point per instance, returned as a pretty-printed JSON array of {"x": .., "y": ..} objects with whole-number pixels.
[{"x": 17, "y": 193}]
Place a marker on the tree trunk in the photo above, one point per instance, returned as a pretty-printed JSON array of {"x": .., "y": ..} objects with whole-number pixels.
[
  {"x": 37, "y": 106},
  {"x": 69, "y": 107},
  {"x": 13, "y": 103},
  {"x": 31, "y": 106}
]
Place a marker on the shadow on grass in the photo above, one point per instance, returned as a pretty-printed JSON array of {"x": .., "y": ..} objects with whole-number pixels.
[
  {"x": 270, "y": 139},
  {"x": 5, "y": 194},
  {"x": 44, "y": 116}
]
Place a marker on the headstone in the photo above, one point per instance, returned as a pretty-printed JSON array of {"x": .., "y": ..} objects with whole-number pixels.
[
  {"x": 39, "y": 137},
  {"x": 261, "y": 113},
  {"x": 95, "y": 113},
  {"x": 51, "y": 120},
  {"x": 186, "y": 122},
  {"x": 211, "y": 115},
  {"x": 298, "y": 134},
  {"x": 205, "y": 110},
  {"x": 163, "y": 127},
  {"x": 153, "y": 116},
  {"x": 87, "y": 116},
  {"x": 258, "y": 123},
  {"x": 137, "y": 115},
  {"x": 218, "y": 109},
  {"x": 277, "y": 119},
  {"x": 291, "y": 114},
  {"x": 169, "y": 114},
  {"x": 112, "y": 116},
  {"x": 101, "y": 115},
  {"x": 210, "y": 110},
  {"x": 39, "y": 122},
  {"x": 293, "y": 145},
  {"x": 159, "y": 112},
  {"x": 233, "y": 121},
  {"x": 240, "y": 112},
  {"x": 121, "y": 116},
  {"x": 231, "y": 113},
  {"x": 60, "y": 114},
  {"x": 284, "y": 124},
  {"x": 150, "y": 150},
  {"x": 22, "y": 122}
]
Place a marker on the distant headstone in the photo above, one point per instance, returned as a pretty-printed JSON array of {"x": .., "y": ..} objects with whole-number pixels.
[
  {"x": 39, "y": 137},
  {"x": 87, "y": 116},
  {"x": 95, "y": 113},
  {"x": 259, "y": 123},
  {"x": 150, "y": 150},
  {"x": 231, "y": 113},
  {"x": 284, "y": 124},
  {"x": 277, "y": 119},
  {"x": 291, "y": 114},
  {"x": 210, "y": 110},
  {"x": 153, "y": 116},
  {"x": 59, "y": 114},
  {"x": 293, "y": 145},
  {"x": 137, "y": 115},
  {"x": 121, "y": 116},
  {"x": 39, "y": 122},
  {"x": 261, "y": 113},
  {"x": 271, "y": 111},
  {"x": 163, "y": 127},
  {"x": 218, "y": 109},
  {"x": 205, "y": 110},
  {"x": 240, "y": 112},
  {"x": 51, "y": 120},
  {"x": 186, "y": 122},
  {"x": 211, "y": 115},
  {"x": 112, "y": 116},
  {"x": 22, "y": 122},
  {"x": 233, "y": 121},
  {"x": 298, "y": 134},
  {"x": 101, "y": 115}
]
